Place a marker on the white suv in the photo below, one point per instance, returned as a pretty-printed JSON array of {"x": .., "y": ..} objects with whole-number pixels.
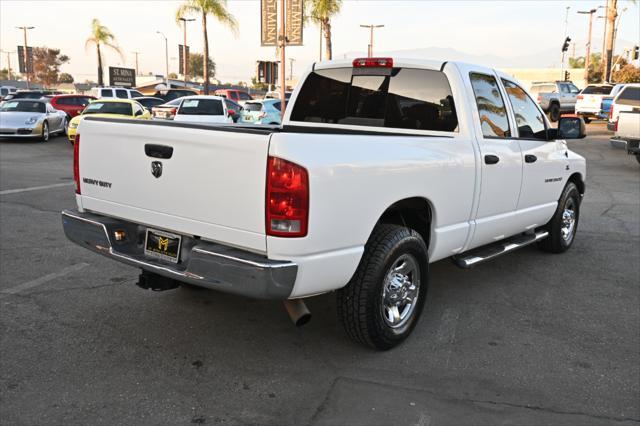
[{"x": 115, "y": 92}]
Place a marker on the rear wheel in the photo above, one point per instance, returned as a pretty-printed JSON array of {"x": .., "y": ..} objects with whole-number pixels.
[
  {"x": 554, "y": 112},
  {"x": 563, "y": 225},
  {"x": 65, "y": 126},
  {"x": 383, "y": 301},
  {"x": 586, "y": 119}
]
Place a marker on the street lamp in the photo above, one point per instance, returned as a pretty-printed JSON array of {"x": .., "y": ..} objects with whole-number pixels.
[
  {"x": 185, "y": 60},
  {"x": 25, "y": 53},
  {"x": 166, "y": 57},
  {"x": 587, "y": 58},
  {"x": 371, "y": 27}
]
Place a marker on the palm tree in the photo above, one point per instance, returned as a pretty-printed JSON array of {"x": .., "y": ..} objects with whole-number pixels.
[
  {"x": 321, "y": 12},
  {"x": 101, "y": 36},
  {"x": 215, "y": 8}
]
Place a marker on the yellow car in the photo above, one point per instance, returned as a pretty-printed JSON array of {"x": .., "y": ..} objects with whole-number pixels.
[{"x": 116, "y": 108}]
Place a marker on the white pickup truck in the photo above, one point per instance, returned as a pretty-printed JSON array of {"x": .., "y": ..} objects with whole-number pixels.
[
  {"x": 381, "y": 167},
  {"x": 627, "y": 132}
]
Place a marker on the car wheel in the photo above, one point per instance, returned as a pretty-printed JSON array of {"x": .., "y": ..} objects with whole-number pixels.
[
  {"x": 554, "y": 113},
  {"x": 587, "y": 120},
  {"x": 563, "y": 225},
  {"x": 65, "y": 126},
  {"x": 45, "y": 132},
  {"x": 381, "y": 304}
]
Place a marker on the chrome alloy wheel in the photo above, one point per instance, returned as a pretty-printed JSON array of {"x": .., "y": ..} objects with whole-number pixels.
[
  {"x": 400, "y": 291},
  {"x": 568, "y": 226}
]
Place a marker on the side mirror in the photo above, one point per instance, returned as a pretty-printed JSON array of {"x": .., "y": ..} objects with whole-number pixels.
[
  {"x": 139, "y": 113},
  {"x": 569, "y": 127}
]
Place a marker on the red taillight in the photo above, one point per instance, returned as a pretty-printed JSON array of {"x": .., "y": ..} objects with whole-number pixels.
[
  {"x": 610, "y": 112},
  {"x": 579, "y": 97},
  {"x": 373, "y": 63},
  {"x": 76, "y": 162},
  {"x": 173, "y": 111},
  {"x": 287, "y": 199},
  {"x": 539, "y": 98}
]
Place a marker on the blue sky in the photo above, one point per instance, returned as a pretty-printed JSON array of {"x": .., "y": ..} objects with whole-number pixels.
[{"x": 501, "y": 28}]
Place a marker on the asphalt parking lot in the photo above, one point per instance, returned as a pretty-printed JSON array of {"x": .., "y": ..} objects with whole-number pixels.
[{"x": 528, "y": 339}]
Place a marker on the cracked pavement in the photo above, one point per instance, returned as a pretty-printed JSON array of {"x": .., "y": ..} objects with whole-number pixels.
[{"x": 527, "y": 339}]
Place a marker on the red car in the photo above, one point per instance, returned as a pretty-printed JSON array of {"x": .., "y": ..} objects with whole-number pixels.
[
  {"x": 238, "y": 96},
  {"x": 71, "y": 104}
]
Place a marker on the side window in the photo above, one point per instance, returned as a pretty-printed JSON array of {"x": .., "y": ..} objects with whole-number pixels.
[
  {"x": 106, "y": 93},
  {"x": 630, "y": 95},
  {"x": 277, "y": 105},
  {"x": 136, "y": 109},
  {"x": 121, "y": 93},
  {"x": 573, "y": 89},
  {"x": 564, "y": 88},
  {"x": 493, "y": 114},
  {"x": 529, "y": 119},
  {"x": 135, "y": 94},
  {"x": 244, "y": 96}
]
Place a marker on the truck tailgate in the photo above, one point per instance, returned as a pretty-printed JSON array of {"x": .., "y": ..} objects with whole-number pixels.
[{"x": 212, "y": 186}]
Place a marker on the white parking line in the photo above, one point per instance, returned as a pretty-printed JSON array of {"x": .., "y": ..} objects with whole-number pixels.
[
  {"x": 43, "y": 280},
  {"x": 35, "y": 188}
]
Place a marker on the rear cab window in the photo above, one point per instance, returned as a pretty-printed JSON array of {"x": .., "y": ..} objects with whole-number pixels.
[
  {"x": 395, "y": 98},
  {"x": 201, "y": 107},
  {"x": 630, "y": 95},
  {"x": 597, "y": 90}
]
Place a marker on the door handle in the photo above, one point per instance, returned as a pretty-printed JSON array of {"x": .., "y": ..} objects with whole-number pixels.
[
  {"x": 529, "y": 158},
  {"x": 491, "y": 159},
  {"x": 158, "y": 151}
]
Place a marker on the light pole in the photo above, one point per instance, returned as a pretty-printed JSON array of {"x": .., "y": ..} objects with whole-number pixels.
[
  {"x": 25, "y": 53},
  {"x": 8, "y": 61},
  {"x": 587, "y": 57},
  {"x": 136, "y": 53},
  {"x": 371, "y": 27},
  {"x": 166, "y": 57},
  {"x": 283, "y": 44},
  {"x": 566, "y": 22},
  {"x": 185, "y": 60}
]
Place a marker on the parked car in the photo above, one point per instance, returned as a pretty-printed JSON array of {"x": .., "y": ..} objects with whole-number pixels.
[
  {"x": 370, "y": 179},
  {"x": 115, "y": 92},
  {"x": 627, "y": 132},
  {"x": 171, "y": 94},
  {"x": 239, "y": 96},
  {"x": 555, "y": 97},
  {"x": 108, "y": 108},
  {"x": 149, "y": 101},
  {"x": 167, "y": 110},
  {"x": 275, "y": 94},
  {"x": 605, "y": 107},
  {"x": 203, "y": 109},
  {"x": 234, "y": 109},
  {"x": 627, "y": 99},
  {"x": 28, "y": 94},
  {"x": 72, "y": 105},
  {"x": 30, "y": 118},
  {"x": 266, "y": 111},
  {"x": 589, "y": 101},
  {"x": 5, "y": 90}
]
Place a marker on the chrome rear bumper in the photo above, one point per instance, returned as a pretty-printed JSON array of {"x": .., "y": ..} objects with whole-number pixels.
[{"x": 202, "y": 263}]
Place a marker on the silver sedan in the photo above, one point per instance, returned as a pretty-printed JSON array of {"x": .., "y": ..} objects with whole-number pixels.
[{"x": 31, "y": 118}]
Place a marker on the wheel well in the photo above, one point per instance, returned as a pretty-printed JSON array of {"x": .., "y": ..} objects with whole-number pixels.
[
  {"x": 414, "y": 213},
  {"x": 577, "y": 180}
]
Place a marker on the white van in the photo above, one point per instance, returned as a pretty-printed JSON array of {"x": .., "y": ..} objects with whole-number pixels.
[{"x": 115, "y": 92}]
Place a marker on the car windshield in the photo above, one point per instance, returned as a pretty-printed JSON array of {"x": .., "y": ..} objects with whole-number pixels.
[
  {"x": 597, "y": 90},
  {"x": 122, "y": 108},
  {"x": 201, "y": 107},
  {"x": 23, "y": 106},
  {"x": 253, "y": 106}
]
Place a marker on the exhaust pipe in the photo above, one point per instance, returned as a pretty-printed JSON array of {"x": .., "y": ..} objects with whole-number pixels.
[{"x": 298, "y": 311}]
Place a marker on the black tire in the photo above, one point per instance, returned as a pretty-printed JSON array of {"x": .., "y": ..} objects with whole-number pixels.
[
  {"x": 44, "y": 137},
  {"x": 559, "y": 241},
  {"x": 65, "y": 127},
  {"x": 587, "y": 120},
  {"x": 554, "y": 113},
  {"x": 360, "y": 303}
]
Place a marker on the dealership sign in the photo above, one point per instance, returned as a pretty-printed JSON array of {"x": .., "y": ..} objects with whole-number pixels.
[
  {"x": 295, "y": 18},
  {"x": 268, "y": 23},
  {"x": 124, "y": 77}
]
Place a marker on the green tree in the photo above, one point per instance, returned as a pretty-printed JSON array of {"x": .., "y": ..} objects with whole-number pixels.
[
  {"x": 576, "y": 62},
  {"x": 46, "y": 65},
  {"x": 218, "y": 10},
  {"x": 173, "y": 75},
  {"x": 321, "y": 12},
  {"x": 65, "y": 78},
  {"x": 257, "y": 85},
  {"x": 101, "y": 36},
  {"x": 196, "y": 65},
  {"x": 4, "y": 74}
]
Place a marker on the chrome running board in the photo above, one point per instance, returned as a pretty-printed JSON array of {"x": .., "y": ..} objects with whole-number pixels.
[{"x": 484, "y": 253}]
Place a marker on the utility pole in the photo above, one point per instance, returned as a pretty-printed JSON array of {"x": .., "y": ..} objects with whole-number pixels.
[
  {"x": 26, "y": 54},
  {"x": 321, "y": 29},
  {"x": 587, "y": 57},
  {"x": 185, "y": 60},
  {"x": 566, "y": 23},
  {"x": 283, "y": 44},
  {"x": 166, "y": 58},
  {"x": 612, "y": 13},
  {"x": 8, "y": 61},
  {"x": 371, "y": 28},
  {"x": 136, "y": 53}
]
